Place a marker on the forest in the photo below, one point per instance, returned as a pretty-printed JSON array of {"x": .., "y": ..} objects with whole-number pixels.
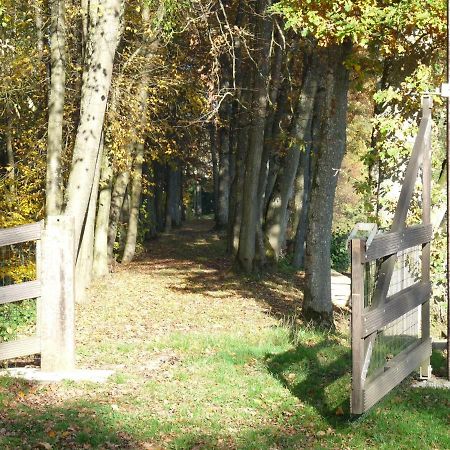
[{"x": 273, "y": 126}]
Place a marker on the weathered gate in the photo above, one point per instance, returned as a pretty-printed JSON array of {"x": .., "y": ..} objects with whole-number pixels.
[
  {"x": 23, "y": 291},
  {"x": 391, "y": 289},
  {"x": 53, "y": 289}
]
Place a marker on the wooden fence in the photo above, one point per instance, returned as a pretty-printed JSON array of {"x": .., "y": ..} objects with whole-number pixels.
[
  {"x": 374, "y": 307},
  {"x": 53, "y": 290}
]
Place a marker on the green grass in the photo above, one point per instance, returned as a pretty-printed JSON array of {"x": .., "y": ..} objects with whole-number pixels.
[
  {"x": 203, "y": 360},
  {"x": 259, "y": 390}
]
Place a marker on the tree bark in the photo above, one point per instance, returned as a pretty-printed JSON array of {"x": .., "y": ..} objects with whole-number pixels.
[
  {"x": 103, "y": 40},
  {"x": 100, "y": 264},
  {"x": 149, "y": 48},
  {"x": 331, "y": 145},
  {"x": 10, "y": 160},
  {"x": 277, "y": 214},
  {"x": 117, "y": 199},
  {"x": 250, "y": 210},
  {"x": 160, "y": 181},
  {"x": 85, "y": 257},
  {"x": 173, "y": 197},
  {"x": 223, "y": 146},
  {"x": 301, "y": 205},
  {"x": 54, "y": 188}
]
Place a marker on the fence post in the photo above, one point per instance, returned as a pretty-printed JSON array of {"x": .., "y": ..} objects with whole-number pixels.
[
  {"x": 427, "y": 105},
  {"x": 357, "y": 253},
  {"x": 58, "y": 295}
]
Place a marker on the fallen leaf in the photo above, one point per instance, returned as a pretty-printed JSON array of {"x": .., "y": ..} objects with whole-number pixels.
[
  {"x": 339, "y": 411},
  {"x": 44, "y": 445}
]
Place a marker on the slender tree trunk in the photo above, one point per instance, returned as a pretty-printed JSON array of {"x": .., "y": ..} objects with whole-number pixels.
[
  {"x": 173, "y": 212},
  {"x": 277, "y": 214},
  {"x": 198, "y": 199},
  {"x": 54, "y": 188},
  {"x": 250, "y": 210},
  {"x": 159, "y": 176},
  {"x": 135, "y": 201},
  {"x": 330, "y": 152},
  {"x": 100, "y": 264},
  {"x": 10, "y": 160},
  {"x": 304, "y": 181},
  {"x": 84, "y": 263},
  {"x": 149, "y": 50},
  {"x": 117, "y": 199},
  {"x": 215, "y": 168},
  {"x": 268, "y": 148},
  {"x": 242, "y": 132},
  {"x": 149, "y": 201},
  {"x": 223, "y": 145},
  {"x": 301, "y": 205},
  {"x": 103, "y": 40},
  {"x": 124, "y": 218}
]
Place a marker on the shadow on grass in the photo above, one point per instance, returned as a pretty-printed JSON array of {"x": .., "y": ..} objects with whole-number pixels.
[
  {"x": 28, "y": 421},
  {"x": 318, "y": 375}
]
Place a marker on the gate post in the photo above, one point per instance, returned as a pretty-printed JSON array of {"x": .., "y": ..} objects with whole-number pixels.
[
  {"x": 357, "y": 254},
  {"x": 58, "y": 295},
  {"x": 427, "y": 106}
]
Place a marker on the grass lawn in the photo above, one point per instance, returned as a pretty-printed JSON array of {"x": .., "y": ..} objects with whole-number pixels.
[{"x": 206, "y": 359}]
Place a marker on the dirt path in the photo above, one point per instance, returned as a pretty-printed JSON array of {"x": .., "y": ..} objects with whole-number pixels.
[{"x": 184, "y": 282}]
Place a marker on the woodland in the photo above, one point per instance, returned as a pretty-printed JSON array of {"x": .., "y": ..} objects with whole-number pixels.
[
  {"x": 215, "y": 156},
  {"x": 136, "y": 111}
]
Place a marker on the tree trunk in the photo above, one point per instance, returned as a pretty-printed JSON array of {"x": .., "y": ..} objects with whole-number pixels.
[
  {"x": 198, "y": 199},
  {"x": 330, "y": 152},
  {"x": 100, "y": 264},
  {"x": 117, "y": 199},
  {"x": 268, "y": 149},
  {"x": 84, "y": 263},
  {"x": 277, "y": 214},
  {"x": 215, "y": 169},
  {"x": 159, "y": 175},
  {"x": 149, "y": 201},
  {"x": 304, "y": 181},
  {"x": 250, "y": 210},
  {"x": 135, "y": 201},
  {"x": 10, "y": 160},
  {"x": 223, "y": 139},
  {"x": 173, "y": 210},
  {"x": 101, "y": 48},
  {"x": 54, "y": 188}
]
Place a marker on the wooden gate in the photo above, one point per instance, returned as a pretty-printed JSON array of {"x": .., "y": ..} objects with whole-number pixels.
[
  {"x": 22, "y": 291},
  {"x": 391, "y": 289},
  {"x": 53, "y": 288}
]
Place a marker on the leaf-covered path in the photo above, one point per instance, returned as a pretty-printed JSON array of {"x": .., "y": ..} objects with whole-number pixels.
[
  {"x": 204, "y": 358},
  {"x": 184, "y": 283}
]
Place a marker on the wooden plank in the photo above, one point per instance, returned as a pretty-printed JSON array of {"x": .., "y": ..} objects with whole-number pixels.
[
  {"x": 399, "y": 368},
  {"x": 22, "y": 233},
  {"x": 39, "y": 277},
  {"x": 426, "y": 250},
  {"x": 412, "y": 170},
  {"x": 22, "y": 291},
  {"x": 357, "y": 249},
  {"x": 58, "y": 294},
  {"x": 395, "y": 241},
  {"x": 395, "y": 306},
  {"x": 401, "y": 212},
  {"x": 20, "y": 347}
]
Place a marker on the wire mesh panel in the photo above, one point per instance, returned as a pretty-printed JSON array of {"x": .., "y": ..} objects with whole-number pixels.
[{"x": 400, "y": 334}]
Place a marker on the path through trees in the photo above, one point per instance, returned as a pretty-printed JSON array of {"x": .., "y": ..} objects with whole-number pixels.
[{"x": 202, "y": 361}]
